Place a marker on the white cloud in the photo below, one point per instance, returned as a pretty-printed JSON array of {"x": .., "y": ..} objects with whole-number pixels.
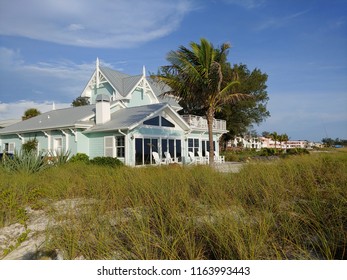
[
  {"x": 278, "y": 22},
  {"x": 248, "y": 4},
  {"x": 61, "y": 80},
  {"x": 17, "y": 109},
  {"x": 112, "y": 24}
]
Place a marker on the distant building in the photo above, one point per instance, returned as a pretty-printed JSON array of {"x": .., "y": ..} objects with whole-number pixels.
[{"x": 264, "y": 142}]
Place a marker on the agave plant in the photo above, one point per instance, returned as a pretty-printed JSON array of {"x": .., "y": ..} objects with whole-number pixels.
[
  {"x": 25, "y": 161},
  {"x": 58, "y": 158}
]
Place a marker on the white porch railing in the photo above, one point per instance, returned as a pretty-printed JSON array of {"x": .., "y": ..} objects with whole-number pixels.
[{"x": 201, "y": 122}]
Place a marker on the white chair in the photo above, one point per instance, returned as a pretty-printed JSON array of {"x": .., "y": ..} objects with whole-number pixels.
[
  {"x": 208, "y": 157},
  {"x": 170, "y": 159},
  {"x": 202, "y": 159},
  {"x": 157, "y": 159},
  {"x": 218, "y": 158},
  {"x": 192, "y": 158}
]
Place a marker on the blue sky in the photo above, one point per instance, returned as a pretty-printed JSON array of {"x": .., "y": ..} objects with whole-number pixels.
[{"x": 48, "y": 51}]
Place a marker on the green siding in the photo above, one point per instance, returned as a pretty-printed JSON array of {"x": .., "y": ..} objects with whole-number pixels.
[
  {"x": 138, "y": 98},
  {"x": 104, "y": 88},
  {"x": 96, "y": 144},
  {"x": 82, "y": 145},
  {"x": 13, "y": 138}
]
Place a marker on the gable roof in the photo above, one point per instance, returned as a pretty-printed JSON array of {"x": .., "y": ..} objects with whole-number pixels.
[
  {"x": 165, "y": 99},
  {"x": 129, "y": 118},
  {"x": 126, "y": 118},
  {"x": 124, "y": 83},
  {"x": 61, "y": 118},
  {"x": 5, "y": 123}
]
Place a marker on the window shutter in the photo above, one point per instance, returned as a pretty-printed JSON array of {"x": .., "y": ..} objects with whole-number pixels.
[{"x": 109, "y": 146}]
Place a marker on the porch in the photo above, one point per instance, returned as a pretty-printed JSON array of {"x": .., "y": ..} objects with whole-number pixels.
[{"x": 200, "y": 122}]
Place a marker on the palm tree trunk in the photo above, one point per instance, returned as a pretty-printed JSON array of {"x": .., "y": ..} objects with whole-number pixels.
[{"x": 210, "y": 115}]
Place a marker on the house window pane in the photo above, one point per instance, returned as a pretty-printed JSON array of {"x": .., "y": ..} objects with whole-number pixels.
[
  {"x": 154, "y": 121},
  {"x": 165, "y": 122},
  {"x": 58, "y": 145},
  {"x": 147, "y": 151},
  {"x": 204, "y": 147},
  {"x": 193, "y": 145},
  {"x": 9, "y": 147},
  {"x": 120, "y": 144},
  {"x": 163, "y": 147},
  {"x": 190, "y": 145},
  {"x": 138, "y": 151},
  {"x": 178, "y": 150},
  {"x": 172, "y": 147}
]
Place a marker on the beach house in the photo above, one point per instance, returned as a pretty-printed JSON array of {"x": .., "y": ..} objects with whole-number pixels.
[{"x": 127, "y": 118}]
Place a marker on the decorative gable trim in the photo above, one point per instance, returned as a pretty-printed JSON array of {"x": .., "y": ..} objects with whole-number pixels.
[
  {"x": 147, "y": 89},
  {"x": 176, "y": 117}
]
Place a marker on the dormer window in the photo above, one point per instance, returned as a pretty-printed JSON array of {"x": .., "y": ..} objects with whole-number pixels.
[
  {"x": 167, "y": 123},
  {"x": 154, "y": 121},
  {"x": 159, "y": 121}
]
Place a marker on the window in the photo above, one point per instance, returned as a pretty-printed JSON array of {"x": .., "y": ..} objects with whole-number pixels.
[
  {"x": 143, "y": 150},
  {"x": 173, "y": 146},
  {"x": 154, "y": 121},
  {"x": 193, "y": 145},
  {"x": 120, "y": 146},
  {"x": 108, "y": 146},
  {"x": 58, "y": 145},
  {"x": 165, "y": 122},
  {"x": 206, "y": 147},
  {"x": 9, "y": 147}
]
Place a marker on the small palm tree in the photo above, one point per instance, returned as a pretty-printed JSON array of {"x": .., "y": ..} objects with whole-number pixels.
[
  {"x": 275, "y": 137},
  {"x": 285, "y": 138},
  {"x": 195, "y": 76},
  {"x": 32, "y": 112}
]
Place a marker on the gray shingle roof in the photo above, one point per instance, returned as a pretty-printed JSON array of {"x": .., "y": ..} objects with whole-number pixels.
[
  {"x": 79, "y": 116},
  {"x": 128, "y": 117},
  {"x": 158, "y": 91},
  {"x": 60, "y": 118},
  {"x": 129, "y": 83},
  {"x": 5, "y": 123},
  {"x": 123, "y": 83}
]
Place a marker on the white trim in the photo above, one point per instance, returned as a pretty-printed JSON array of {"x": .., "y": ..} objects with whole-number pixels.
[
  {"x": 49, "y": 140},
  {"x": 74, "y": 132},
  {"x": 21, "y": 138},
  {"x": 66, "y": 140}
]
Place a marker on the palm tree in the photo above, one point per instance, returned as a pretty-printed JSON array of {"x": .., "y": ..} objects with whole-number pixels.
[
  {"x": 285, "y": 138},
  {"x": 195, "y": 76},
  {"x": 32, "y": 112},
  {"x": 275, "y": 137}
]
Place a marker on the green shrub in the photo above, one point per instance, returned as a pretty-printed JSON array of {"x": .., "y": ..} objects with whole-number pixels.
[
  {"x": 266, "y": 152},
  {"x": 79, "y": 157},
  {"x": 297, "y": 151},
  {"x": 106, "y": 161},
  {"x": 30, "y": 145}
]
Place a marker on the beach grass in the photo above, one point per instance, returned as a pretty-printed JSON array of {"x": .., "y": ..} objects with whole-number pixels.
[{"x": 293, "y": 208}]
